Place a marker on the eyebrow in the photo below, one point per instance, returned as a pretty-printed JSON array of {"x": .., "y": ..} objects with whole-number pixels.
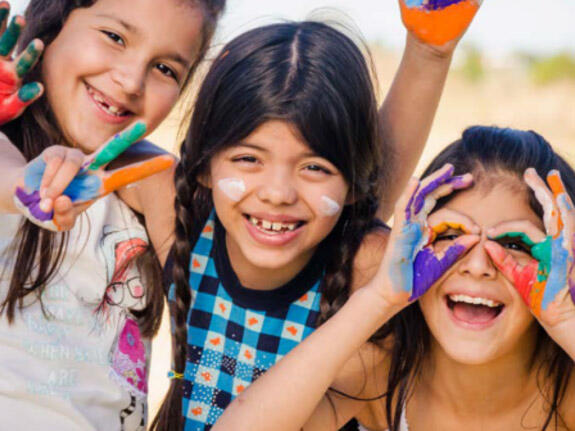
[{"x": 265, "y": 150}]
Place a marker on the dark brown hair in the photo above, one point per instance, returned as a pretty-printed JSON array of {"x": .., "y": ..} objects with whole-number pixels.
[{"x": 38, "y": 253}]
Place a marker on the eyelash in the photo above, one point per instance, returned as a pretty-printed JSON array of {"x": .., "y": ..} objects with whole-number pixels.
[
  {"x": 116, "y": 38},
  {"x": 245, "y": 159},
  {"x": 514, "y": 244},
  {"x": 318, "y": 168},
  {"x": 447, "y": 237},
  {"x": 170, "y": 73}
]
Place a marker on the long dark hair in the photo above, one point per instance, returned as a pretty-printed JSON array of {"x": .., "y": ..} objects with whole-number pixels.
[
  {"x": 315, "y": 78},
  {"x": 482, "y": 151},
  {"x": 38, "y": 253}
]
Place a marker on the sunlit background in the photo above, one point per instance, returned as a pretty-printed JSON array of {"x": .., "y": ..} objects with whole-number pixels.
[{"x": 515, "y": 67}]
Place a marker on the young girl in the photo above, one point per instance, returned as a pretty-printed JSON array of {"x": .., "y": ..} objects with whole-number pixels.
[
  {"x": 77, "y": 309},
  {"x": 489, "y": 345}
]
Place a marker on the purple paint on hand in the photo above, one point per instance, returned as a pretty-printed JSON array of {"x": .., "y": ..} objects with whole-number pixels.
[
  {"x": 32, "y": 202},
  {"x": 430, "y": 188},
  {"x": 427, "y": 269}
]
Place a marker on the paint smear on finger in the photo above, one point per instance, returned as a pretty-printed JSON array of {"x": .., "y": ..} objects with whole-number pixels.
[
  {"x": 233, "y": 188},
  {"x": 328, "y": 206}
]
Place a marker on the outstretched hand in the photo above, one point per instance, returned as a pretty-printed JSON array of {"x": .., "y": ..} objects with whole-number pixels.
[
  {"x": 411, "y": 265},
  {"x": 15, "y": 97},
  {"x": 547, "y": 283},
  {"x": 440, "y": 23},
  {"x": 62, "y": 182}
]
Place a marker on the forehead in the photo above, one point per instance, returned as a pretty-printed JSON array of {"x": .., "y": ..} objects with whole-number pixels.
[
  {"x": 280, "y": 138},
  {"x": 489, "y": 206}
]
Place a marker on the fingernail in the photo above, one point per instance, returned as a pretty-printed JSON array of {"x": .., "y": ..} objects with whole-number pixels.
[{"x": 45, "y": 205}]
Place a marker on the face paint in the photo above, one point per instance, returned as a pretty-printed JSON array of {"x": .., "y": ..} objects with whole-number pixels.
[
  {"x": 328, "y": 206},
  {"x": 438, "y": 21},
  {"x": 234, "y": 188}
]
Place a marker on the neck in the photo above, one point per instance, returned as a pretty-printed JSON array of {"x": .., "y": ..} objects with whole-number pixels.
[
  {"x": 258, "y": 278},
  {"x": 494, "y": 388}
]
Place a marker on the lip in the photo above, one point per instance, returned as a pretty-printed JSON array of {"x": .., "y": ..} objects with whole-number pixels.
[
  {"x": 473, "y": 293},
  {"x": 104, "y": 115},
  {"x": 274, "y": 240},
  {"x": 478, "y": 326}
]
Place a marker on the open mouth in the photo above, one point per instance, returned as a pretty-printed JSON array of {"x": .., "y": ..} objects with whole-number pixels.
[
  {"x": 273, "y": 227},
  {"x": 474, "y": 310},
  {"x": 106, "y": 104}
]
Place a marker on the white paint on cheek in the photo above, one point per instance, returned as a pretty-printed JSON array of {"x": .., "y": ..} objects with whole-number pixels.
[
  {"x": 328, "y": 206},
  {"x": 234, "y": 188}
]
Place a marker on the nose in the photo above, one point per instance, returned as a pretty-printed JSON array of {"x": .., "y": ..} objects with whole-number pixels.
[
  {"x": 130, "y": 76},
  {"x": 477, "y": 263},
  {"x": 278, "y": 188}
]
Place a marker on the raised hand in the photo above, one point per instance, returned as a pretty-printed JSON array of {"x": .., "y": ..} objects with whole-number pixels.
[
  {"x": 15, "y": 97},
  {"x": 438, "y": 22},
  {"x": 83, "y": 179},
  {"x": 547, "y": 282},
  {"x": 411, "y": 265}
]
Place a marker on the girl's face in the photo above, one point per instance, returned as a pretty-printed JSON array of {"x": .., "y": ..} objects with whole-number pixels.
[
  {"x": 119, "y": 61},
  {"x": 276, "y": 199},
  {"x": 474, "y": 313}
]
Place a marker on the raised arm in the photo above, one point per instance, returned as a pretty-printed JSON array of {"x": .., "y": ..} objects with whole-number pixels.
[{"x": 409, "y": 108}]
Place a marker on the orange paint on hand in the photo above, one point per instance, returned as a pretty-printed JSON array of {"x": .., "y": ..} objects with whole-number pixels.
[
  {"x": 136, "y": 172},
  {"x": 438, "y": 27},
  {"x": 557, "y": 187}
]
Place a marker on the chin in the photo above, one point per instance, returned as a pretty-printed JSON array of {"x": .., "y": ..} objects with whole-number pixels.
[{"x": 467, "y": 352}]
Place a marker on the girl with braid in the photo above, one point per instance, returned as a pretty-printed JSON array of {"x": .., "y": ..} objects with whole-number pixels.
[{"x": 78, "y": 308}]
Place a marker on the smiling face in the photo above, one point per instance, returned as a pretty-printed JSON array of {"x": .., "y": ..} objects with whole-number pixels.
[
  {"x": 117, "y": 62},
  {"x": 277, "y": 201},
  {"x": 474, "y": 313}
]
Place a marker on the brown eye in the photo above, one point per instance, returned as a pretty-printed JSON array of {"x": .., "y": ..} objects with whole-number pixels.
[{"x": 511, "y": 243}]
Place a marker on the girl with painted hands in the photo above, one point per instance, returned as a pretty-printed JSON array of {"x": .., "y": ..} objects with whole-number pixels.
[
  {"x": 469, "y": 353},
  {"x": 78, "y": 308}
]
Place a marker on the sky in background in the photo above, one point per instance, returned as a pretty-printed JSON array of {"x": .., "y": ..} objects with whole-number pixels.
[{"x": 502, "y": 26}]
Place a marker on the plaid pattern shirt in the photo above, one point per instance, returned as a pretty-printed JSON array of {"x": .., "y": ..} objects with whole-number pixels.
[{"x": 235, "y": 334}]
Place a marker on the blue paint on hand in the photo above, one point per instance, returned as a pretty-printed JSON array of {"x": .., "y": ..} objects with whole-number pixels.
[{"x": 559, "y": 269}]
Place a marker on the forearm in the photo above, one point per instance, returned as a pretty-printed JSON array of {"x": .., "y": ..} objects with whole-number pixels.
[
  {"x": 408, "y": 111},
  {"x": 12, "y": 164},
  {"x": 287, "y": 395}
]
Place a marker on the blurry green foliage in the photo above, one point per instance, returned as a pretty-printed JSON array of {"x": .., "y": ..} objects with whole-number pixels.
[
  {"x": 545, "y": 70},
  {"x": 472, "y": 68}
]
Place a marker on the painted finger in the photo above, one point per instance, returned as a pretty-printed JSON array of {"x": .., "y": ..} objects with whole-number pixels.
[
  {"x": 454, "y": 183},
  {"x": 445, "y": 219},
  {"x": 10, "y": 36},
  {"x": 4, "y": 13},
  {"x": 64, "y": 213},
  {"x": 13, "y": 106},
  {"x": 402, "y": 211},
  {"x": 53, "y": 158},
  {"x": 429, "y": 185},
  {"x": 428, "y": 266},
  {"x": 438, "y": 21},
  {"x": 117, "y": 145},
  {"x": 29, "y": 205},
  {"x": 524, "y": 230},
  {"x": 135, "y": 172},
  {"x": 29, "y": 57},
  {"x": 523, "y": 277},
  {"x": 545, "y": 197},
  {"x": 68, "y": 170}
]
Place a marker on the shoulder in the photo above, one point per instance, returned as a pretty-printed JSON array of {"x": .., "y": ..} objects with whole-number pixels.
[{"x": 369, "y": 256}]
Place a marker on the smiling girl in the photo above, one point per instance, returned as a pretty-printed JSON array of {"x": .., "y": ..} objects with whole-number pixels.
[
  {"x": 78, "y": 309},
  {"x": 488, "y": 345}
]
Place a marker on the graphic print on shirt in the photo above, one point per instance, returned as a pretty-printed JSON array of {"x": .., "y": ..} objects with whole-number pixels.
[{"x": 125, "y": 291}]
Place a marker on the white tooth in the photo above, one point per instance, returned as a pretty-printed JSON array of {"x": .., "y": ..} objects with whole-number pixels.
[
  {"x": 277, "y": 226},
  {"x": 253, "y": 220},
  {"x": 266, "y": 224},
  {"x": 291, "y": 226},
  {"x": 477, "y": 300}
]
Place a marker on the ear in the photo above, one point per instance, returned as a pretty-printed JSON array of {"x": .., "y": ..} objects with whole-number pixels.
[{"x": 205, "y": 179}]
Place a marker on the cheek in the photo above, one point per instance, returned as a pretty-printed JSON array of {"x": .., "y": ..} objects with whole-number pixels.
[
  {"x": 326, "y": 201},
  {"x": 160, "y": 99},
  {"x": 233, "y": 188}
]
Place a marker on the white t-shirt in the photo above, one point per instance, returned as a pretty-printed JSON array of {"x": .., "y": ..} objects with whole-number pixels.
[{"x": 81, "y": 365}]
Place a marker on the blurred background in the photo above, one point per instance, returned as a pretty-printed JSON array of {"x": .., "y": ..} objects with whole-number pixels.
[{"x": 515, "y": 67}]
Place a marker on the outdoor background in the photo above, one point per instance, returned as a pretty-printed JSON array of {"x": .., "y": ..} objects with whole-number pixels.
[{"x": 515, "y": 67}]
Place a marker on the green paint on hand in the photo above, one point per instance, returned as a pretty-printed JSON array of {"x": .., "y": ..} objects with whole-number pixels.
[
  {"x": 4, "y": 13},
  {"x": 542, "y": 252},
  {"x": 118, "y": 145},
  {"x": 29, "y": 92},
  {"x": 10, "y": 37},
  {"x": 27, "y": 60}
]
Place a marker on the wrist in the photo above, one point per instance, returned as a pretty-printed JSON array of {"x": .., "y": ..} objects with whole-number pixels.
[{"x": 425, "y": 51}]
